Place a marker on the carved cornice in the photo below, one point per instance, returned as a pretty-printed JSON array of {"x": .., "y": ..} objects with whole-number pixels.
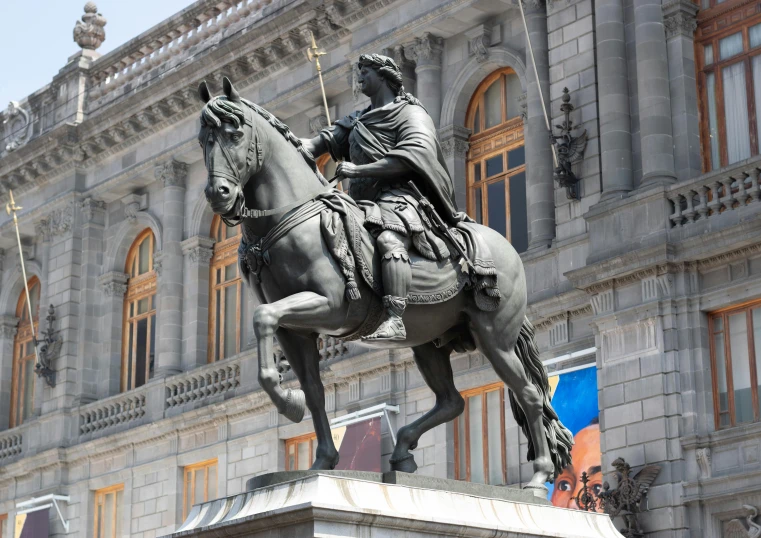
[
  {"x": 680, "y": 18},
  {"x": 172, "y": 173},
  {"x": 727, "y": 257},
  {"x": 546, "y": 323}
]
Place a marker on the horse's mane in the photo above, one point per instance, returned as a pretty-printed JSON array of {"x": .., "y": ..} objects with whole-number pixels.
[{"x": 220, "y": 109}]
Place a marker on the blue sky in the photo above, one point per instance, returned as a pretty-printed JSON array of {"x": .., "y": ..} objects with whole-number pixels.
[{"x": 37, "y": 36}]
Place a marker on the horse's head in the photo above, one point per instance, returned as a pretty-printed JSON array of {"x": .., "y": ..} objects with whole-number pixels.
[{"x": 229, "y": 143}]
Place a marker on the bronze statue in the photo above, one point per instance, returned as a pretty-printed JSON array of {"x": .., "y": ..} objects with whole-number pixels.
[{"x": 308, "y": 254}]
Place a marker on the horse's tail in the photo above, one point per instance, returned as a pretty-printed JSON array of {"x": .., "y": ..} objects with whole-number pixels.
[{"x": 559, "y": 438}]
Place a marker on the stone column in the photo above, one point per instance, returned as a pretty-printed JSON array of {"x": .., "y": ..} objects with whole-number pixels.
[
  {"x": 654, "y": 96},
  {"x": 613, "y": 86},
  {"x": 8, "y": 327},
  {"x": 426, "y": 52},
  {"x": 113, "y": 286},
  {"x": 170, "y": 269},
  {"x": 539, "y": 165},
  {"x": 679, "y": 20},
  {"x": 93, "y": 214},
  {"x": 454, "y": 145},
  {"x": 197, "y": 251}
]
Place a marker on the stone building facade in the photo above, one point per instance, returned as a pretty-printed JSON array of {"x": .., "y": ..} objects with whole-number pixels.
[{"x": 654, "y": 269}]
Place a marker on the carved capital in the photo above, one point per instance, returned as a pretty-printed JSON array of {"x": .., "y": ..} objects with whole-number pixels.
[
  {"x": 114, "y": 283},
  {"x": 454, "y": 141},
  {"x": 535, "y": 5},
  {"x": 92, "y": 209},
  {"x": 172, "y": 173},
  {"x": 199, "y": 250},
  {"x": 426, "y": 51},
  {"x": 680, "y": 18},
  {"x": 158, "y": 263},
  {"x": 8, "y": 326}
]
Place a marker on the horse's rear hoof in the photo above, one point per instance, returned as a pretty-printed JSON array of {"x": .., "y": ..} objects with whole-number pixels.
[
  {"x": 295, "y": 405},
  {"x": 538, "y": 491},
  {"x": 404, "y": 465}
]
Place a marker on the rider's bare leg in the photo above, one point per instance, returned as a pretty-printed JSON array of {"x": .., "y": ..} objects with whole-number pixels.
[{"x": 397, "y": 276}]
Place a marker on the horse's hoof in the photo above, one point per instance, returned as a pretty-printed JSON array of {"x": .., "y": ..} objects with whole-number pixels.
[
  {"x": 538, "y": 490},
  {"x": 324, "y": 464},
  {"x": 295, "y": 405},
  {"x": 404, "y": 465}
]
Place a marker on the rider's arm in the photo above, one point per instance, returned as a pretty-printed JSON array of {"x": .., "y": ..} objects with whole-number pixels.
[
  {"x": 316, "y": 145},
  {"x": 384, "y": 169}
]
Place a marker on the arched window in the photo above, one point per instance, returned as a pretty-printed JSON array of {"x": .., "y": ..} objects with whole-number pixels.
[
  {"x": 22, "y": 398},
  {"x": 496, "y": 168},
  {"x": 139, "y": 346},
  {"x": 227, "y": 310}
]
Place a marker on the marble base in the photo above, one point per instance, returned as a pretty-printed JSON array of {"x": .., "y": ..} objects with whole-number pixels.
[{"x": 392, "y": 505}]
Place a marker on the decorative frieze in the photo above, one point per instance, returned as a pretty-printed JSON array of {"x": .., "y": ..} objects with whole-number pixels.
[{"x": 603, "y": 302}]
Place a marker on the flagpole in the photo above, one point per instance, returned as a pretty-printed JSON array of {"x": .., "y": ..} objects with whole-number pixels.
[
  {"x": 314, "y": 52},
  {"x": 11, "y": 209},
  {"x": 538, "y": 85}
]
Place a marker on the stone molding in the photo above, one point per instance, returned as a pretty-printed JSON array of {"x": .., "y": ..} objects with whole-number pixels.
[
  {"x": 426, "y": 51},
  {"x": 680, "y": 18},
  {"x": 546, "y": 323},
  {"x": 199, "y": 250},
  {"x": 728, "y": 257},
  {"x": 626, "y": 341},
  {"x": 172, "y": 173},
  {"x": 114, "y": 283}
]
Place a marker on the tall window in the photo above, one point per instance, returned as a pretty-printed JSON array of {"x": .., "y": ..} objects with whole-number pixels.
[
  {"x": 228, "y": 295},
  {"x": 736, "y": 364},
  {"x": 496, "y": 168},
  {"x": 139, "y": 314},
  {"x": 728, "y": 49},
  {"x": 107, "y": 512},
  {"x": 199, "y": 484},
  {"x": 300, "y": 452},
  {"x": 479, "y": 436},
  {"x": 22, "y": 399}
]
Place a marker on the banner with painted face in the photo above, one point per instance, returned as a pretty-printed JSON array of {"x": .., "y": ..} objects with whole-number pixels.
[{"x": 574, "y": 397}]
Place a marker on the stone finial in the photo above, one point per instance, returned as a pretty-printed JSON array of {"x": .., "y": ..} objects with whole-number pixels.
[{"x": 89, "y": 32}]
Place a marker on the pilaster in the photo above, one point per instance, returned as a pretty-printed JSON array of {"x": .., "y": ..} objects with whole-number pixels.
[
  {"x": 197, "y": 252},
  {"x": 426, "y": 52},
  {"x": 454, "y": 146},
  {"x": 113, "y": 286},
  {"x": 8, "y": 326},
  {"x": 169, "y": 329}
]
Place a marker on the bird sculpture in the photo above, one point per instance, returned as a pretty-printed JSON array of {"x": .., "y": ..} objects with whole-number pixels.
[
  {"x": 630, "y": 497},
  {"x": 736, "y": 529}
]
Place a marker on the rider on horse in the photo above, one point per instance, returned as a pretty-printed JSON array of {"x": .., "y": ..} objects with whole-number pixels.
[{"x": 381, "y": 149}]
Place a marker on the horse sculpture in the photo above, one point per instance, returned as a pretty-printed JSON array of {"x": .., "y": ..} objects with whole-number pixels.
[{"x": 287, "y": 257}]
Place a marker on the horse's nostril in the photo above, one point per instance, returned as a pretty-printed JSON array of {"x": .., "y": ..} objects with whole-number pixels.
[{"x": 224, "y": 191}]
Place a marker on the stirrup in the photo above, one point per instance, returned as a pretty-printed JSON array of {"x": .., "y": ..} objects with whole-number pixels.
[{"x": 392, "y": 329}]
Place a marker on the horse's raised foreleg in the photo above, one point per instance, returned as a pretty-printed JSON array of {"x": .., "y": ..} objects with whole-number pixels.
[
  {"x": 436, "y": 370},
  {"x": 304, "y": 309},
  {"x": 304, "y": 357}
]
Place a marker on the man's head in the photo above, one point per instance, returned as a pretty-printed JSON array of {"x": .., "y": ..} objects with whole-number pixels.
[
  {"x": 376, "y": 69},
  {"x": 586, "y": 458}
]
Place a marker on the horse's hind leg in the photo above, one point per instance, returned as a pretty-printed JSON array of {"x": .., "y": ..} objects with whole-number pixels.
[
  {"x": 304, "y": 358},
  {"x": 498, "y": 345},
  {"x": 436, "y": 370}
]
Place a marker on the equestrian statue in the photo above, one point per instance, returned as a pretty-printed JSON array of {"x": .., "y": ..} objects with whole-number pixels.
[{"x": 391, "y": 263}]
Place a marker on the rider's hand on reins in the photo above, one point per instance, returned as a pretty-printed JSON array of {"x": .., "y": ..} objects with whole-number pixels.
[{"x": 347, "y": 170}]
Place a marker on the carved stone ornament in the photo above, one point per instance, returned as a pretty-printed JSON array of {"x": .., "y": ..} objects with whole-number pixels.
[
  {"x": 199, "y": 250},
  {"x": 172, "y": 173},
  {"x": 89, "y": 32},
  {"x": 114, "y": 283},
  {"x": 569, "y": 150},
  {"x": 427, "y": 50},
  {"x": 317, "y": 124},
  {"x": 454, "y": 146},
  {"x": 17, "y": 123},
  {"x": 736, "y": 529},
  {"x": 703, "y": 457},
  {"x": 92, "y": 207},
  {"x": 58, "y": 222},
  {"x": 479, "y": 41},
  {"x": 680, "y": 18}
]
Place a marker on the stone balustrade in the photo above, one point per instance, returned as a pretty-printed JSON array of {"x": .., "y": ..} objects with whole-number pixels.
[
  {"x": 168, "y": 44},
  {"x": 711, "y": 194},
  {"x": 330, "y": 347},
  {"x": 105, "y": 414},
  {"x": 10, "y": 444},
  {"x": 205, "y": 382}
]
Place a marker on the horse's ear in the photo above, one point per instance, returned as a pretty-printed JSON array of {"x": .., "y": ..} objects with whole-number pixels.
[
  {"x": 230, "y": 91},
  {"x": 203, "y": 92}
]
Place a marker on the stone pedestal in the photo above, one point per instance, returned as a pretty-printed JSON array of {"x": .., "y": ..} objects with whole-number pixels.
[{"x": 311, "y": 503}]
